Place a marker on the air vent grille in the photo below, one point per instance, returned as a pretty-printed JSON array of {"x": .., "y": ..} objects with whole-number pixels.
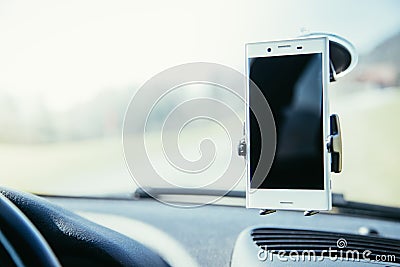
[{"x": 278, "y": 239}]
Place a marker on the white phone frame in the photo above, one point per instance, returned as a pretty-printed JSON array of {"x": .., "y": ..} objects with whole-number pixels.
[{"x": 291, "y": 199}]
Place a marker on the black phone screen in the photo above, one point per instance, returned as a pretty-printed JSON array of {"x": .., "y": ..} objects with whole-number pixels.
[{"x": 293, "y": 87}]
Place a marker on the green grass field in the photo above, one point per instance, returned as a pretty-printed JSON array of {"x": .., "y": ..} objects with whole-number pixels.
[
  {"x": 86, "y": 167},
  {"x": 371, "y": 143},
  {"x": 371, "y": 129}
]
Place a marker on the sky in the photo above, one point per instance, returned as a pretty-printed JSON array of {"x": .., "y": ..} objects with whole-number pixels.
[{"x": 65, "y": 52}]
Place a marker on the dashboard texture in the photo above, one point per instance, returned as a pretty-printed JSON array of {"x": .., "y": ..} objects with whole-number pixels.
[{"x": 206, "y": 236}]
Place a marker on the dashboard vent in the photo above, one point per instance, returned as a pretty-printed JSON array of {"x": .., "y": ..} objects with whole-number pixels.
[{"x": 281, "y": 239}]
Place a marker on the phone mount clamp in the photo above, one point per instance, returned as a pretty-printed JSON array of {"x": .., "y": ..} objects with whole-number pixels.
[{"x": 342, "y": 59}]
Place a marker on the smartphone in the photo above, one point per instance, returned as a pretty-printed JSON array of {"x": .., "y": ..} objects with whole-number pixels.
[{"x": 293, "y": 76}]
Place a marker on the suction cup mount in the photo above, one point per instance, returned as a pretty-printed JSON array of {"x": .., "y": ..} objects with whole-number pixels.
[{"x": 342, "y": 54}]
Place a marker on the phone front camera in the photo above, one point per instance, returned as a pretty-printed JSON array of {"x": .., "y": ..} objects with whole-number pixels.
[{"x": 269, "y": 49}]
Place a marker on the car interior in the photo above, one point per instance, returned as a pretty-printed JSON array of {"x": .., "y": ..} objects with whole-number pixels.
[{"x": 77, "y": 188}]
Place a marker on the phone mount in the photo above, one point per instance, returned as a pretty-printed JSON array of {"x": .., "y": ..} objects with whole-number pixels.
[{"x": 342, "y": 60}]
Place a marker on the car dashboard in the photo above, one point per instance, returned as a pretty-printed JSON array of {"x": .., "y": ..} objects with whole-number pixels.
[{"x": 222, "y": 235}]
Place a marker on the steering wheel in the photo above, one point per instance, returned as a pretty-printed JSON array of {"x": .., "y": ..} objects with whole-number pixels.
[{"x": 20, "y": 239}]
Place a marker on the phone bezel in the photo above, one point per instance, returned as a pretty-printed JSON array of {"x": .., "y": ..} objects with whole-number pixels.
[{"x": 291, "y": 199}]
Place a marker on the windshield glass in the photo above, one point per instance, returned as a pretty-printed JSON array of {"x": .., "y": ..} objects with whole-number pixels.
[{"x": 69, "y": 69}]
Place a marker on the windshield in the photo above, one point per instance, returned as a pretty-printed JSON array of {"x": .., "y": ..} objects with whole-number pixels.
[{"x": 68, "y": 71}]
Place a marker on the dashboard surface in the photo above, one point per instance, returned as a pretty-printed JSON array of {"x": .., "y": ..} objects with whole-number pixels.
[{"x": 206, "y": 236}]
